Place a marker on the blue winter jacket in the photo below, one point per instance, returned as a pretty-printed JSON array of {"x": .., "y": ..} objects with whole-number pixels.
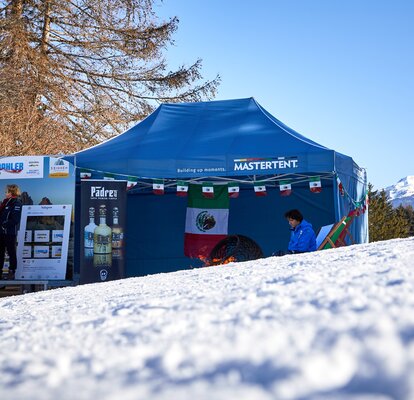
[{"x": 302, "y": 238}]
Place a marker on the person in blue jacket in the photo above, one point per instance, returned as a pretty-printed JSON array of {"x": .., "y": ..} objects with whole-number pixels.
[{"x": 302, "y": 237}]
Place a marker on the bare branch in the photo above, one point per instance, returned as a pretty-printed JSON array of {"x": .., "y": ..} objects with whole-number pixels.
[{"x": 74, "y": 72}]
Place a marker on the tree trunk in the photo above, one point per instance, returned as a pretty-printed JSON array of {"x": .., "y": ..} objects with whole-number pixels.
[{"x": 46, "y": 28}]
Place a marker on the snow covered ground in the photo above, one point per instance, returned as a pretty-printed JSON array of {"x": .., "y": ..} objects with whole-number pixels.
[{"x": 337, "y": 324}]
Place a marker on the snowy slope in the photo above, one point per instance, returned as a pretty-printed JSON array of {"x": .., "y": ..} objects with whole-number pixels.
[
  {"x": 337, "y": 324},
  {"x": 402, "y": 192}
]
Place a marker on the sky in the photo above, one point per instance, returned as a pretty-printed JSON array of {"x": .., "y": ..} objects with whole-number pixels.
[
  {"x": 340, "y": 73},
  {"x": 333, "y": 325}
]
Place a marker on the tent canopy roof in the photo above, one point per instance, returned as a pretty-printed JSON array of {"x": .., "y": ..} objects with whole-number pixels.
[{"x": 215, "y": 138}]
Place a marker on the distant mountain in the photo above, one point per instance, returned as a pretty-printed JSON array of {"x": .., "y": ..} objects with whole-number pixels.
[{"x": 402, "y": 192}]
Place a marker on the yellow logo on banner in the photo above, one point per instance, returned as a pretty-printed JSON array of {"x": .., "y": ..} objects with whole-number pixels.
[{"x": 58, "y": 168}]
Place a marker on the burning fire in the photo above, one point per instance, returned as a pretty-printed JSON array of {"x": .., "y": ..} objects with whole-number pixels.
[{"x": 208, "y": 262}]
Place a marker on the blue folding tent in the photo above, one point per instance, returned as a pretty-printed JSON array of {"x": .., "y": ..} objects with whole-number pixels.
[{"x": 231, "y": 140}]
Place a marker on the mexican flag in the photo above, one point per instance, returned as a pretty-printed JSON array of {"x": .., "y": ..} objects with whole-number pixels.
[
  {"x": 285, "y": 188},
  {"x": 182, "y": 188},
  {"x": 234, "y": 190},
  {"x": 315, "y": 184},
  {"x": 84, "y": 174},
  {"x": 340, "y": 186},
  {"x": 206, "y": 221},
  {"x": 158, "y": 186},
  {"x": 132, "y": 181},
  {"x": 259, "y": 189},
  {"x": 109, "y": 177},
  {"x": 208, "y": 190}
]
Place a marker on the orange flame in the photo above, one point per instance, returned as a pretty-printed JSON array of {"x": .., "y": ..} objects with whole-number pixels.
[{"x": 208, "y": 262}]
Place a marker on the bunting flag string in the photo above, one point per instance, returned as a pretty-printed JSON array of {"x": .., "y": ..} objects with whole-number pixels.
[
  {"x": 315, "y": 184},
  {"x": 360, "y": 206},
  {"x": 260, "y": 189},
  {"x": 233, "y": 187},
  {"x": 182, "y": 188},
  {"x": 109, "y": 177},
  {"x": 366, "y": 203},
  {"x": 340, "y": 187},
  {"x": 85, "y": 174},
  {"x": 285, "y": 187},
  {"x": 341, "y": 190},
  {"x": 208, "y": 190},
  {"x": 233, "y": 190},
  {"x": 131, "y": 182},
  {"x": 158, "y": 186}
]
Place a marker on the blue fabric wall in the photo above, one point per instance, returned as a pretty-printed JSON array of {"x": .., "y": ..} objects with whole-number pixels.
[
  {"x": 355, "y": 188},
  {"x": 155, "y": 229}
]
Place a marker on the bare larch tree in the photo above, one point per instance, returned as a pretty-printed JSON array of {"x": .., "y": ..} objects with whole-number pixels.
[{"x": 76, "y": 72}]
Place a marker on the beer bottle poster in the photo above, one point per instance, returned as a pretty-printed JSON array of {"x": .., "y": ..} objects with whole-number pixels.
[{"x": 103, "y": 220}]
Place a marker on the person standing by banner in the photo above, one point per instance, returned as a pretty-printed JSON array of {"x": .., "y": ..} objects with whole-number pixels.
[{"x": 10, "y": 212}]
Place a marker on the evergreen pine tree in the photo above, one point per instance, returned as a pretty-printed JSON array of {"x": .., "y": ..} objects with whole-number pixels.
[
  {"x": 385, "y": 222},
  {"x": 408, "y": 213}
]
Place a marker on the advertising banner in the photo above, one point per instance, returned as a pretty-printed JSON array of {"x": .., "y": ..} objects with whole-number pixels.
[
  {"x": 103, "y": 221},
  {"x": 42, "y": 180},
  {"x": 21, "y": 167},
  {"x": 43, "y": 241}
]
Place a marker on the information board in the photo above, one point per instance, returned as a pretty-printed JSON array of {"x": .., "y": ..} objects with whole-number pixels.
[{"x": 42, "y": 242}]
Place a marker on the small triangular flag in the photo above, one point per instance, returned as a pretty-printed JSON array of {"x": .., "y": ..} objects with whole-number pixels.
[
  {"x": 260, "y": 189},
  {"x": 285, "y": 188},
  {"x": 315, "y": 184},
  {"x": 109, "y": 177},
  {"x": 340, "y": 187},
  {"x": 132, "y": 181},
  {"x": 182, "y": 188},
  {"x": 158, "y": 186},
  {"x": 85, "y": 174},
  {"x": 233, "y": 189},
  {"x": 208, "y": 190}
]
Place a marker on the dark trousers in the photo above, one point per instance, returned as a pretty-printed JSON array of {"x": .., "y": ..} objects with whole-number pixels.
[{"x": 8, "y": 242}]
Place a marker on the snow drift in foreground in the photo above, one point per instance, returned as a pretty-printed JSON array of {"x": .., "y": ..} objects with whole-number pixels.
[{"x": 337, "y": 324}]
